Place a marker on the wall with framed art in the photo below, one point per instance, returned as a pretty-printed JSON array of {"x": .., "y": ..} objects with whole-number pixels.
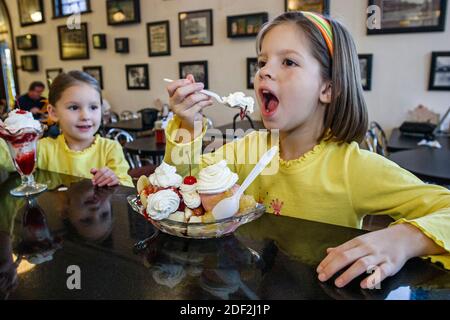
[
  {"x": 199, "y": 69},
  {"x": 27, "y": 42},
  {"x": 96, "y": 72},
  {"x": 30, "y": 63},
  {"x": 198, "y": 31}
]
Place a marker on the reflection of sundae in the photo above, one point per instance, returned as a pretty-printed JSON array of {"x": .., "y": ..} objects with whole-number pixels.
[
  {"x": 37, "y": 245},
  {"x": 166, "y": 195},
  {"x": 21, "y": 132}
]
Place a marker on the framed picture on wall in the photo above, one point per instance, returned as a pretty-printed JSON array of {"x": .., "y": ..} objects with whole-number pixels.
[
  {"x": 27, "y": 42},
  {"x": 319, "y": 6},
  {"x": 247, "y": 25},
  {"x": 31, "y": 12},
  {"x": 51, "y": 74},
  {"x": 440, "y": 71},
  {"x": 96, "y": 72},
  {"x": 122, "y": 45},
  {"x": 99, "y": 41},
  {"x": 398, "y": 16},
  {"x": 365, "y": 66},
  {"x": 137, "y": 77},
  {"x": 121, "y": 12},
  {"x": 158, "y": 38},
  {"x": 199, "y": 69},
  {"x": 252, "y": 68},
  {"x": 73, "y": 43},
  {"x": 196, "y": 28},
  {"x": 30, "y": 63},
  {"x": 66, "y": 8}
]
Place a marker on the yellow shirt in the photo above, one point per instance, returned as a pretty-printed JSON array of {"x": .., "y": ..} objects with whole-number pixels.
[
  {"x": 333, "y": 183},
  {"x": 54, "y": 155}
]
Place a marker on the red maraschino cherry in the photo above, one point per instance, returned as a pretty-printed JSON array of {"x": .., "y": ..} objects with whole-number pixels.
[
  {"x": 20, "y": 111},
  {"x": 190, "y": 180}
]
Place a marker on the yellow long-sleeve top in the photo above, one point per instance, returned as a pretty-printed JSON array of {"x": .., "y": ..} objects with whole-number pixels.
[
  {"x": 54, "y": 155},
  {"x": 333, "y": 183}
]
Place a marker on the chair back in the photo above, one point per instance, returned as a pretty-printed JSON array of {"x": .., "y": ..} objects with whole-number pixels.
[
  {"x": 375, "y": 139},
  {"x": 149, "y": 116}
]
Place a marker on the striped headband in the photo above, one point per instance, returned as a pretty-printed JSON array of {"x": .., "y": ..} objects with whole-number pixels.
[{"x": 324, "y": 26}]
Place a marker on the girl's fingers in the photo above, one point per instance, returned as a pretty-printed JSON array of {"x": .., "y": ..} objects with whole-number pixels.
[
  {"x": 199, "y": 107},
  {"x": 105, "y": 179},
  {"x": 361, "y": 266},
  {"x": 114, "y": 182},
  {"x": 337, "y": 260},
  {"x": 173, "y": 86},
  {"x": 182, "y": 92},
  {"x": 331, "y": 252},
  {"x": 380, "y": 273}
]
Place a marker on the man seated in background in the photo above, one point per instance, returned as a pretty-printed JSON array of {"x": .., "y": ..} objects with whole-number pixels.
[{"x": 33, "y": 101}]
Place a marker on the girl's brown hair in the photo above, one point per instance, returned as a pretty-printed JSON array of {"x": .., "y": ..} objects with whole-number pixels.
[
  {"x": 66, "y": 80},
  {"x": 346, "y": 116}
]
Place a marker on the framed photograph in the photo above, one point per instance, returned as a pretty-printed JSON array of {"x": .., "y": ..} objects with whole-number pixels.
[
  {"x": 365, "y": 66},
  {"x": 27, "y": 42},
  {"x": 252, "y": 69},
  {"x": 196, "y": 28},
  {"x": 199, "y": 69},
  {"x": 65, "y": 8},
  {"x": 137, "y": 77},
  {"x": 122, "y": 45},
  {"x": 319, "y": 6},
  {"x": 30, "y": 63},
  {"x": 31, "y": 12},
  {"x": 399, "y": 16},
  {"x": 96, "y": 72},
  {"x": 99, "y": 41},
  {"x": 158, "y": 38},
  {"x": 440, "y": 71},
  {"x": 51, "y": 74},
  {"x": 246, "y": 25},
  {"x": 73, "y": 44},
  {"x": 123, "y": 12}
]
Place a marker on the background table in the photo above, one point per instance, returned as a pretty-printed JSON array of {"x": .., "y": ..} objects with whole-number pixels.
[
  {"x": 274, "y": 257},
  {"x": 400, "y": 142},
  {"x": 133, "y": 125}
]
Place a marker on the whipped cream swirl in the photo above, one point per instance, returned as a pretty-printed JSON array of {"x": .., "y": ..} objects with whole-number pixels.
[
  {"x": 19, "y": 119},
  {"x": 190, "y": 195},
  {"x": 238, "y": 99},
  {"x": 216, "y": 178},
  {"x": 165, "y": 176},
  {"x": 162, "y": 203}
]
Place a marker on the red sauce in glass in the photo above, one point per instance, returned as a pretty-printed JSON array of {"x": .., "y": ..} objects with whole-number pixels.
[{"x": 26, "y": 162}]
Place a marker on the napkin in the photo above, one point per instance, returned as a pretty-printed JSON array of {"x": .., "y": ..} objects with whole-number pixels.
[{"x": 430, "y": 143}]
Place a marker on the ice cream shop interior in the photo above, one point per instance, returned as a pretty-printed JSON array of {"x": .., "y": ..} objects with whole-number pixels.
[{"x": 224, "y": 149}]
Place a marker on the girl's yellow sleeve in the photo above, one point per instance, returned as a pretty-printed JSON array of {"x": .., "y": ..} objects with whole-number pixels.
[
  {"x": 117, "y": 163},
  {"x": 5, "y": 157},
  {"x": 188, "y": 157},
  {"x": 378, "y": 186}
]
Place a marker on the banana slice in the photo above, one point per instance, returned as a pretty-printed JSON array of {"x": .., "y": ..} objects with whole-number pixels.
[
  {"x": 142, "y": 183},
  {"x": 143, "y": 198}
]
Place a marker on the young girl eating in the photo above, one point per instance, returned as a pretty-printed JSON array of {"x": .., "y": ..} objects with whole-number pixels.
[
  {"x": 75, "y": 102},
  {"x": 308, "y": 87}
]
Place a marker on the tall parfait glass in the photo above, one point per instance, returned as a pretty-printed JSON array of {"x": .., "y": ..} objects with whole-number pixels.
[{"x": 22, "y": 145}]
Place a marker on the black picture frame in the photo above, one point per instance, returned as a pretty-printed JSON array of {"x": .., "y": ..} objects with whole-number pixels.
[
  {"x": 388, "y": 24},
  {"x": 30, "y": 63},
  {"x": 439, "y": 71},
  {"x": 246, "y": 25},
  {"x": 31, "y": 12},
  {"x": 196, "y": 28},
  {"x": 58, "y": 9},
  {"x": 73, "y": 43},
  {"x": 51, "y": 74},
  {"x": 122, "y": 12},
  {"x": 252, "y": 69},
  {"x": 158, "y": 38},
  {"x": 318, "y": 6},
  {"x": 137, "y": 76},
  {"x": 199, "y": 69},
  {"x": 96, "y": 72},
  {"x": 27, "y": 42},
  {"x": 99, "y": 41},
  {"x": 122, "y": 45},
  {"x": 365, "y": 65}
]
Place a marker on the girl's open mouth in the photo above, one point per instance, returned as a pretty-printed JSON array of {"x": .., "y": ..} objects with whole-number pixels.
[{"x": 269, "y": 102}]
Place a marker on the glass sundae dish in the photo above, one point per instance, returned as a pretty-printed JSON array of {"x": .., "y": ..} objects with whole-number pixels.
[{"x": 21, "y": 132}]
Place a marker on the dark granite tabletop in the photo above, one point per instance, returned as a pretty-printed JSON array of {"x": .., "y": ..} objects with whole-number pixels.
[{"x": 79, "y": 243}]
